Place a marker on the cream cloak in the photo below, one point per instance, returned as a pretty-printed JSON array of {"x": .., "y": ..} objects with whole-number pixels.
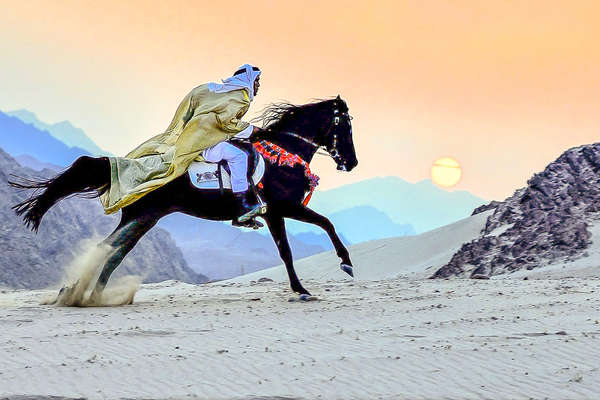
[{"x": 203, "y": 119}]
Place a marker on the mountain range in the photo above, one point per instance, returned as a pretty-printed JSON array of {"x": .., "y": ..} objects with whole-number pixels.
[
  {"x": 63, "y": 131},
  {"x": 222, "y": 251},
  {"x": 423, "y": 205},
  {"x": 368, "y": 210},
  {"x": 211, "y": 248},
  {"x": 549, "y": 229},
  {"x": 356, "y": 224},
  {"x": 32, "y": 261},
  {"x": 17, "y": 138}
]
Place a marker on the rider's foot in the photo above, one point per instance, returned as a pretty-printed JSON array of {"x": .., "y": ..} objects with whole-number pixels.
[
  {"x": 247, "y": 209},
  {"x": 251, "y": 223}
]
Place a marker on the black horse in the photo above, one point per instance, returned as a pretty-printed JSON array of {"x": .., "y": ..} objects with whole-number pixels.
[{"x": 300, "y": 130}]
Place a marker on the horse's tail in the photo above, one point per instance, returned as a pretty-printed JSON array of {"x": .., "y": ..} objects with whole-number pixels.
[{"x": 87, "y": 176}]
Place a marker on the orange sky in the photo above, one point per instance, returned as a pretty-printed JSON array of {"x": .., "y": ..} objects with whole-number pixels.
[{"x": 504, "y": 87}]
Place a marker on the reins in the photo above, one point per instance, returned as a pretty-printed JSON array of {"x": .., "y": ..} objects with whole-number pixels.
[
  {"x": 315, "y": 145},
  {"x": 278, "y": 155},
  {"x": 333, "y": 153}
]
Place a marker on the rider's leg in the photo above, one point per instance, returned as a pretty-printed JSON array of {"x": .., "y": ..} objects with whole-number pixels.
[
  {"x": 238, "y": 165},
  {"x": 237, "y": 161}
]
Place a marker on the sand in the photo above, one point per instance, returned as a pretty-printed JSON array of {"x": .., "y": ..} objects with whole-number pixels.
[
  {"x": 390, "y": 335},
  {"x": 382, "y": 339}
]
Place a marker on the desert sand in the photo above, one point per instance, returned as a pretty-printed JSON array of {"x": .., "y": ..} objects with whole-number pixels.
[{"x": 387, "y": 334}]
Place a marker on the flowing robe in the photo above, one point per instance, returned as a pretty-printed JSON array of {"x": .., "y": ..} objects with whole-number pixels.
[{"x": 203, "y": 119}]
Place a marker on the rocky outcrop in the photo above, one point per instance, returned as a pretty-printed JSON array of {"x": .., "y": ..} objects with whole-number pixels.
[
  {"x": 31, "y": 261},
  {"x": 543, "y": 223},
  {"x": 493, "y": 204}
]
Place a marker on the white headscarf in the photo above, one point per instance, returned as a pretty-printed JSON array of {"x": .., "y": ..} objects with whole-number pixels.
[{"x": 244, "y": 80}]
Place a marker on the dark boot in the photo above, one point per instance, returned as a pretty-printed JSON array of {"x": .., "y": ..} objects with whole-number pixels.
[
  {"x": 248, "y": 209},
  {"x": 251, "y": 223}
]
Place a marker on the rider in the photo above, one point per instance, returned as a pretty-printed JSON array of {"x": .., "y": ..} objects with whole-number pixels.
[
  {"x": 207, "y": 117},
  {"x": 246, "y": 78}
]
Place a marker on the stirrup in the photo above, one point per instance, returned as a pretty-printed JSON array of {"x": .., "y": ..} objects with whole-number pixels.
[
  {"x": 258, "y": 210},
  {"x": 251, "y": 223}
]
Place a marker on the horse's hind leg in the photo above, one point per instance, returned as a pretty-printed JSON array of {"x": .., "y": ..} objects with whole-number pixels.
[{"x": 121, "y": 241}]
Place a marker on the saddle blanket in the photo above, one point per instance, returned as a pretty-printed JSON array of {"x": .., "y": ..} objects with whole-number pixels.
[{"x": 205, "y": 175}]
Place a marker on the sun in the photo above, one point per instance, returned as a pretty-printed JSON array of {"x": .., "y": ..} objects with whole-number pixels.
[{"x": 446, "y": 172}]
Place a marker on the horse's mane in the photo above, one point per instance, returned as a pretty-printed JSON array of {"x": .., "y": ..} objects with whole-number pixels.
[{"x": 277, "y": 114}]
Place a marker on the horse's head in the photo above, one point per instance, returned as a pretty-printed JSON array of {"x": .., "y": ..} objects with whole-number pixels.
[
  {"x": 325, "y": 123},
  {"x": 338, "y": 135}
]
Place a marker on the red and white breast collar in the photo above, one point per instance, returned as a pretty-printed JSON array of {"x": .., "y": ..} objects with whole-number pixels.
[{"x": 276, "y": 154}]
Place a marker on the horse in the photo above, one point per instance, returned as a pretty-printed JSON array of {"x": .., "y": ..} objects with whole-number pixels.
[{"x": 299, "y": 130}]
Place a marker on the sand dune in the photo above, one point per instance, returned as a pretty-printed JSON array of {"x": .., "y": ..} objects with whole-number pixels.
[{"x": 408, "y": 256}]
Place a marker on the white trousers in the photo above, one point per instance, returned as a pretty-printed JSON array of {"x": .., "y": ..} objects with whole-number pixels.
[{"x": 237, "y": 161}]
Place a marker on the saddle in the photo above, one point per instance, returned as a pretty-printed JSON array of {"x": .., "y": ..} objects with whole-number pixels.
[{"x": 217, "y": 176}]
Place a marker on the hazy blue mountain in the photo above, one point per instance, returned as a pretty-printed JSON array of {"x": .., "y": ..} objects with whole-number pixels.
[
  {"x": 63, "y": 131},
  {"x": 31, "y": 162},
  {"x": 363, "y": 223},
  {"x": 18, "y": 138},
  {"x": 319, "y": 239},
  {"x": 423, "y": 205},
  {"x": 219, "y": 250},
  {"x": 29, "y": 260},
  {"x": 356, "y": 224}
]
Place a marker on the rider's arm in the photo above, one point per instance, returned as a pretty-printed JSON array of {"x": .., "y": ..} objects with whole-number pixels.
[
  {"x": 246, "y": 133},
  {"x": 254, "y": 133},
  {"x": 230, "y": 113}
]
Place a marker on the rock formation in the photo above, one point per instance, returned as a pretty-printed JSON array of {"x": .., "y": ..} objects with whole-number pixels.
[{"x": 543, "y": 223}]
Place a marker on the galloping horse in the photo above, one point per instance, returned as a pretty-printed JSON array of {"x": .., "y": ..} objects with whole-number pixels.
[{"x": 292, "y": 131}]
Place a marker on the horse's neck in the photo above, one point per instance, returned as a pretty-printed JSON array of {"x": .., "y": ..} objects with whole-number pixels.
[{"x": 296, "y": 145}]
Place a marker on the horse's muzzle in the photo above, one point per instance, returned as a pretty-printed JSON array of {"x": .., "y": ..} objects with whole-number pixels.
[{"x": 347, "y": 167}]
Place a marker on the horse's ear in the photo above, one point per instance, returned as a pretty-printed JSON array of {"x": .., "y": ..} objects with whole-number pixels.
[{"x": 338, "y": 98}]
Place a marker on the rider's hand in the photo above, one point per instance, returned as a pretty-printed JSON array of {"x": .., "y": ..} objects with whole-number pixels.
[{"x": 259, "y": 134}]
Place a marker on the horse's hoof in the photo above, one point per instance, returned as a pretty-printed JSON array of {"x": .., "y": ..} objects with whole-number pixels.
[
  {"x": 66, "y": 290},
  {"x": 307, "y": 297},
  {"x": 347, "y": 269},
  {"x": 95, "y": 298},
  {"x": 303, "y": 297},
  {"x": 65, "y": 295}
]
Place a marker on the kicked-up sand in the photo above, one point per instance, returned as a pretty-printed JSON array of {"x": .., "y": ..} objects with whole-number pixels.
[{"x": 394, "y": 338}]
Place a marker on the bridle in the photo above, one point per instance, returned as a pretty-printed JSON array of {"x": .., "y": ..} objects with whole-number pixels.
[{"x": 333, "y": 152}]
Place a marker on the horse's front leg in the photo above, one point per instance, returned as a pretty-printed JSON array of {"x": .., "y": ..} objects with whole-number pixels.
[
  {"x": 305, "y": 214},
  {"x": 276, "y": 226}
]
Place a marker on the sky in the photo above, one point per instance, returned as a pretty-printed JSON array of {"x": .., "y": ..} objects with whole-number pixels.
[{"x": 503, "y": 87}]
